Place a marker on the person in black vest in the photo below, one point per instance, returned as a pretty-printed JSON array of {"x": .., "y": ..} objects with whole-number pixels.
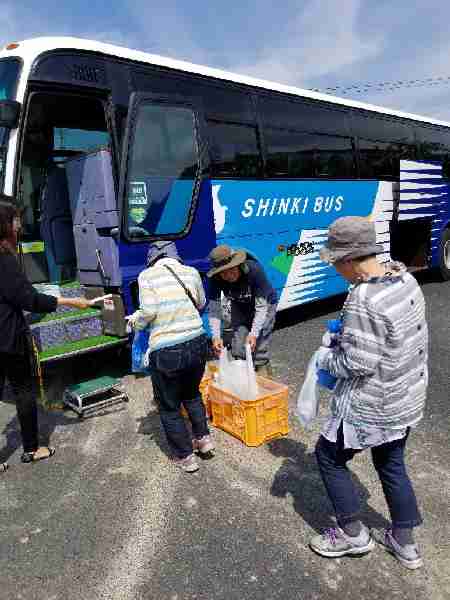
[
  {"x": 253, "y": 305},
  {"x": 16, "y": 295}
]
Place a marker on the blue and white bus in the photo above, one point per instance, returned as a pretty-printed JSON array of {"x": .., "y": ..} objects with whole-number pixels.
[{"x": 107, "y": 149}]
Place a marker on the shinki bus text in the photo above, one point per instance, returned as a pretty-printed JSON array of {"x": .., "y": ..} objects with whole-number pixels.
[{"x": 107, "y": 149}]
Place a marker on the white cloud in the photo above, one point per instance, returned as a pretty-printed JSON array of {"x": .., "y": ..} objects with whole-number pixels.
[
  {"x": 425, "y": 99},
  {"x": 321, "y": 40},
  {"x": 167, "y": 31}
]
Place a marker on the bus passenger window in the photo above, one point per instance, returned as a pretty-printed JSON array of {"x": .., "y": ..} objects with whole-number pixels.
[
  {"x": 162, "y": 172},
  {"x": 434, "y": 145},
  {"x": 308, "y": 155},
  {"x": 234, "y": 150},
  {"x": 381, "y": 160}
]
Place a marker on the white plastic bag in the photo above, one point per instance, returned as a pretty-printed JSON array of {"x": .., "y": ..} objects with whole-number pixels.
[
  {"x": 237, "y": 376},
  {"x": 308, "y": 398},
  {"x": 251, "y": 375}
]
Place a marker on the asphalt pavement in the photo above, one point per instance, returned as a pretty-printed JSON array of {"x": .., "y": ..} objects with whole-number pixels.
[{"x": 110, "y": 518}]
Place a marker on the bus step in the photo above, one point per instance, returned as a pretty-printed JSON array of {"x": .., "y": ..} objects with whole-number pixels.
[
  {"x": 94, "y": 394},
  {"x": 63, "y": 328},
  {"x": 79, "y": 347}
]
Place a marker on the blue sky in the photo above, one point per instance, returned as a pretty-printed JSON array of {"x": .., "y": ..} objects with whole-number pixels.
[{"x": 310, "y": 43}]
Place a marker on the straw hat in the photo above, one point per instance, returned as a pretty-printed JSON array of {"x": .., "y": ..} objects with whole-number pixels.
[{"x": 223, "y": 258}]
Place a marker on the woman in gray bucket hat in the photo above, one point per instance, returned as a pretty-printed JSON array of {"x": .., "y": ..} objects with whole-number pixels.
[{"x": 380, "y": 362}]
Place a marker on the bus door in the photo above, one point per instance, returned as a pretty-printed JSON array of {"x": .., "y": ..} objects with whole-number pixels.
[
  {"x": 65, "y": 141},
  {"x": 163, "y": 183}
]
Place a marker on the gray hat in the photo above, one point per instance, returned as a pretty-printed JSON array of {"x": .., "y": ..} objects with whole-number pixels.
[
  {"x": 350, "y": 237},
  {"x": 223, "y": 258},
  {"x": 162, "y": 249}
]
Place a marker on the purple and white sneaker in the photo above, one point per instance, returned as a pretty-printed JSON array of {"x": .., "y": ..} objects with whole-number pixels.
[
  {"x": 407, "y": 555},
  {"x": 334, "y": 543},
  {"x": 204, "y": 446},
  {"x": 188, "y": 464}
]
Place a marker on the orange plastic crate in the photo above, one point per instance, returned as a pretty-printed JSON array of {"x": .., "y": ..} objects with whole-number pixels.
[{"x": 254, "y": 422}]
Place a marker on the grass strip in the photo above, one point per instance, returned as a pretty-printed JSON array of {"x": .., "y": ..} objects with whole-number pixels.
[
  {"x": 69, "y": 285},
  {"x": 78, "y": 346},
  {"x": 69, "y": 314}
]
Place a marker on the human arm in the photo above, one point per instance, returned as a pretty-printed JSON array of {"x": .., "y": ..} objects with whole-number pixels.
[
  {"x": 79, "y": 303},
  {"x": 363, "y": 340},
  {"x": 148, "y": 305},
  {"x": 215, "y": 316},
  {"x": 263, "y": 294},
  {"x": 199, "y": 292}
]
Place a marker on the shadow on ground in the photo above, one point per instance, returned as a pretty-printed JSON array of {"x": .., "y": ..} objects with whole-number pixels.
[
  {"x": 299, "y": 477},
  {"x": 57, "y": 376}
]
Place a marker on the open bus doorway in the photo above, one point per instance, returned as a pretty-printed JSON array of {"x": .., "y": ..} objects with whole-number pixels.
[{"x": 59, "y": 128}]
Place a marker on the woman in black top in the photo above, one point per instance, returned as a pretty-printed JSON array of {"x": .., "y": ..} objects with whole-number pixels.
[{"x": 16, "y": 295}]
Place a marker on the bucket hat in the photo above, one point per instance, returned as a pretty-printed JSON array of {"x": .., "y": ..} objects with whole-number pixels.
[
  {"x": 223, "y": 258},
  {"x": 162, "y": 249},
  {"x": 350, "y": 237}
]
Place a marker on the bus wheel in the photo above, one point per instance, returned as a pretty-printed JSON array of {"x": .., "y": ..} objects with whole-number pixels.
[{"x": 444, "y": 260}]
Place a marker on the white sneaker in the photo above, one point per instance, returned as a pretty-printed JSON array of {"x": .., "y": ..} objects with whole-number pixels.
[
  {"x": 188, "y": 464},
  {"x": 334, "y": 543},
  {"x": 407, "y": 555},
  {"x": 204, "y": 445}
]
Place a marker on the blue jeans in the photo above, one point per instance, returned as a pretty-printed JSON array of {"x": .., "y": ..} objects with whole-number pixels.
[
  {"x": 389, "y": 462},
  {"x": 176, "y": 373}
]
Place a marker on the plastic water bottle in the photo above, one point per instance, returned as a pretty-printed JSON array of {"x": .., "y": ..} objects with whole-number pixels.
[
  {"x": 334, "y": 326},
  {"x": 325, "y": 378}
]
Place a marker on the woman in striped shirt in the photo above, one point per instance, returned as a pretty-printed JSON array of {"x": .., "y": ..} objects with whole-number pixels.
[
  {"x": 380, "y": 360},
  {"x": 171, "y": 295}
]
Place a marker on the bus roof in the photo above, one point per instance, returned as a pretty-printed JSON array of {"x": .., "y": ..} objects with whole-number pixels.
[{"x": 29, "y": 50}]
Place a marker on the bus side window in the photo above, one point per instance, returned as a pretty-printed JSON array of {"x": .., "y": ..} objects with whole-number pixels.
[
  {"x": 308, "y": 155},
  {"x": 301, "y": 115},
  {"x": 234, "y": 150},
  {"x": 434, "y": 145},
  {"x": 382, "y": 143},
  {"x": 306, "y": 139}
]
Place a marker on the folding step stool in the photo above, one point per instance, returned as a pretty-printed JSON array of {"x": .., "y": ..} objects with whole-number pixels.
[{"x": 94, "y": 394}]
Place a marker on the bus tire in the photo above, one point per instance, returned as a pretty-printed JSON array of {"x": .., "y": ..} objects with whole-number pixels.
[{"x": 444, "y": 256}]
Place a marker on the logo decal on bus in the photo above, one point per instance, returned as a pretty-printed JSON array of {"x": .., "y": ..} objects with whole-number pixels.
[
  {"x": 137, "y": 201},
  {"x": 219, "y": 210},
  {"x": 292, "y": 206}
]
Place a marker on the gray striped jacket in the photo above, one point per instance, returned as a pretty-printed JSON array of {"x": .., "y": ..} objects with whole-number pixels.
[{"x": 382, "y": 355}]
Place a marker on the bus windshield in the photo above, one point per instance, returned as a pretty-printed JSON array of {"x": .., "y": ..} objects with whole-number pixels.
[{"x": 9, "y": 74}]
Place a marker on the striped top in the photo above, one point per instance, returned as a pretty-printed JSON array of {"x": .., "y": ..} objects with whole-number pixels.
[
  {"x": 382, "y": 354},
  {"x": 165, "y": 306}
]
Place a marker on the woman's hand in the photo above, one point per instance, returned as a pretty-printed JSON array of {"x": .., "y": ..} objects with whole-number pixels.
[
  {"x": 251, "y": 341},
  {"x": 80, "y": 303},
  {"x": 217, "y": 346},
  {"x": 132, "y": 321}
]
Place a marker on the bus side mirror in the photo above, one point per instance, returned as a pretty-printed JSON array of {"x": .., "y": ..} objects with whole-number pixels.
[{"x": 9, "y": 113}]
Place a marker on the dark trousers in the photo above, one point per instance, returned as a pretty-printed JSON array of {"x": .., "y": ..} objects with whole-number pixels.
[
  {"x": 17, "y": 369},
  {"x": 241, "y": 322},
  {"x": 176, "y": 373},
  {"x": 388, "y": 460}
]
